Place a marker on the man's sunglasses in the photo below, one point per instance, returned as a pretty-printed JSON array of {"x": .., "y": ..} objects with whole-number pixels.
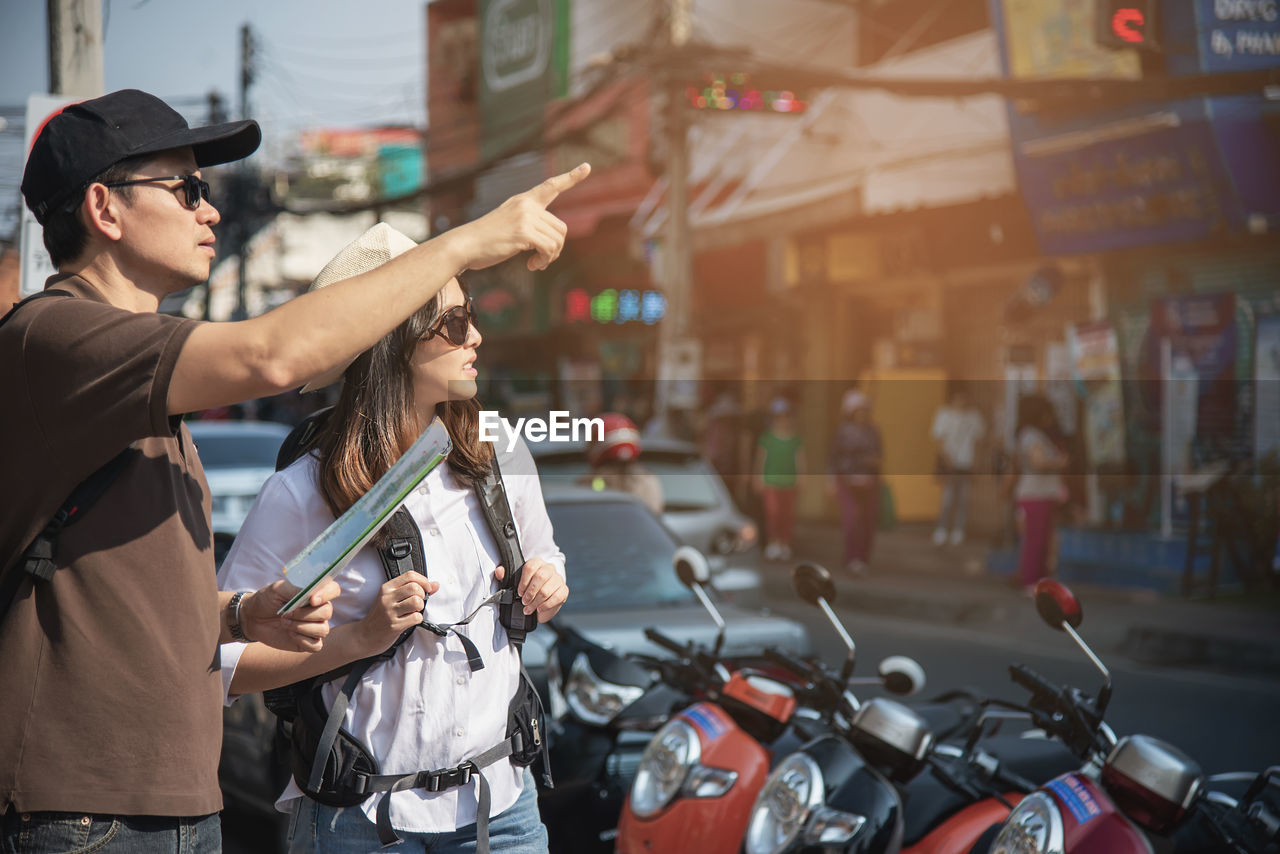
[
  {"x": 453, "y": 325},
  {"x": 193, "y": 188}
]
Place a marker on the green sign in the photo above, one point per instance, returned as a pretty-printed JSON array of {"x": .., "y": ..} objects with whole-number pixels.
[{"x": 524, "y": 63}]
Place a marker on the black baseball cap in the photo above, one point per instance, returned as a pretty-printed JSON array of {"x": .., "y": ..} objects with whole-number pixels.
[{"x": 82, "y": 140}]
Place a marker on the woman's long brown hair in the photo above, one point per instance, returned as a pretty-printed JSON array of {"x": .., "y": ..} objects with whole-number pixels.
[{"x": 374, "y": 421}]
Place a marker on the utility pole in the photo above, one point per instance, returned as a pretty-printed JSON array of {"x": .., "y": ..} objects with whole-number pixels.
[
  {"x": 75, "y": 47},
  {"x": 674, "y": 342},
  {"x": 242, "y": 180},
  {"x": 217, "y": 115}
]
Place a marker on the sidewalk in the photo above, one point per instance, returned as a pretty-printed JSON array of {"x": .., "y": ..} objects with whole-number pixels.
[{"x": 913, "y": 579}]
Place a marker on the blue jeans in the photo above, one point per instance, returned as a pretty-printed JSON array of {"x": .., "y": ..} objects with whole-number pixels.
[
  {"x": 78, "y": 833},
  {"x": 955, "y": 501},
  {"x": 345, "y": 830}
]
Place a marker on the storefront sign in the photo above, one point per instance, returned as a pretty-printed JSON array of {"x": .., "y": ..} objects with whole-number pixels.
[
  {"x": 1095, "y": 366},
  {"x": 523, "y": 65},
  {"x": 614, "y": 306},
  {"x": 1152, "y": 173},
  {"x": 1165, "y": 185},
  {"x": 1201, "y": 336},
  {"x": 1244, "y": 35}
]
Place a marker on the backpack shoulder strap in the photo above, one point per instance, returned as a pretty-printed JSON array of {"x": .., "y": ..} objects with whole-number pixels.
[
  {"x": 492, "y": 494},
  {"x": 37, "y": 560},
  {"x": 55, "y": 292},
  {"x": 301, "y": 438}
]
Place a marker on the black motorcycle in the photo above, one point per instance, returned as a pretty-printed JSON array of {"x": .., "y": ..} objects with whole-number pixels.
[{"x": 861, "y": 788}]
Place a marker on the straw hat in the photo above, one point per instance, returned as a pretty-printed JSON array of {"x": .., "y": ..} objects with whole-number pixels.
[{"x": 372, "y": 249}]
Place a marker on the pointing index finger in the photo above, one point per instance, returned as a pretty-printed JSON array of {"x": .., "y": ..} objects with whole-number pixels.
[{"x": 546, "y": 192}]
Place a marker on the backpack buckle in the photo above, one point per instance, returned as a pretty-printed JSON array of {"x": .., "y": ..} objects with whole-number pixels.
[{"x": 438, "y": 781}]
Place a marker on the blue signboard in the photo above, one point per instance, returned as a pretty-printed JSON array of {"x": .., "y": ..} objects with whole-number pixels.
[
  {"x": 1161, "y": 185},
  {"x": 1244, "y": 35},
  {"x": 1238, "y": 35},
  {"x": 1159, "y": 172}
]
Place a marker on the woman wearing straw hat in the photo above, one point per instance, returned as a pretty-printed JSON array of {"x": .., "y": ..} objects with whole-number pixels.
[{"x": 425, "y": 708}]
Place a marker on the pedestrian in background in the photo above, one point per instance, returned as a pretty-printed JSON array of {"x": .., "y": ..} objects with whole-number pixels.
[
  {"x": 110, "y": 703},
  {"x": 957, "y": 428},
  {"x": 854, "y": 477},
  {"x": 779, "y": 461},
  {"x": 615, "y": 463},
  {"x": 1039, "y": 489}
]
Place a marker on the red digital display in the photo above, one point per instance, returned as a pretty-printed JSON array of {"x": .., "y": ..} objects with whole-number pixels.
[{"x": 1129, "y": 25}]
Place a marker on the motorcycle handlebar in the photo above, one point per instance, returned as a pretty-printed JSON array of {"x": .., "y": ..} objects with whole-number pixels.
[
  {"x": 800, "y": 668},
  {"x": 1032, "y": 681},
  {"x": 665, "y": 642}
]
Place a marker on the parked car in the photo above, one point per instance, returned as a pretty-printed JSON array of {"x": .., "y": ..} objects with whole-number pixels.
[
  {"x": 697, "y": 506},
  {"x": 619, "y": 564},
  {"x": 238, "y": 457}
]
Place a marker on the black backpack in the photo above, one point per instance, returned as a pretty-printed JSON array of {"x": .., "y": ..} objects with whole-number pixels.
[
  {"x": 37, "y": 558},
  {"x": 335, "y": 768}
]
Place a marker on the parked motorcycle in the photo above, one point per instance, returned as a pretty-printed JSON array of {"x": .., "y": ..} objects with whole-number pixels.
[
  {"x": 605, "y": 705},
  {"x": 861, "y": 788},
  {"x": 697, "y": 779},
  {"x": 1133, "y": 795}
]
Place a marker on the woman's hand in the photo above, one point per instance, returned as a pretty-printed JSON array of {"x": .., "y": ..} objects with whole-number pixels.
[
  {"x": 302, "y": 629},
  {"x": 542, "y": 588},
  {"x": 398, "y": 607}
]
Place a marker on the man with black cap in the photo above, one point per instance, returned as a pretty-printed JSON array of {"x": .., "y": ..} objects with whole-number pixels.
[{"x": 111, "y": 700}]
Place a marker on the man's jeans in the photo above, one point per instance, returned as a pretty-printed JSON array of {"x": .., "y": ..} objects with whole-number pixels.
[
  {"x": 317, "y": 829},
  {"x": 78, "y": 833}
]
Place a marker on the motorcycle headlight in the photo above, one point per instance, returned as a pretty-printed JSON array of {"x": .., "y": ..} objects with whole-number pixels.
[
  {"x": 1034, "y": 827},
  {"x": 672, "y": 753},
  {"x": 792, "y": 792},
  {"x": 591, "y": 698}
]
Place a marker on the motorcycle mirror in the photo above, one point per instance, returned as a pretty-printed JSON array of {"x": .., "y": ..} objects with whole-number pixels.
[
  {"x": 694, "y": 572},
  {"x": 1057, "y": 605},
  {"x": 812, "y": 583},
  {"x": 902, "y": 675},
  {"x": 691, "y": 567}
]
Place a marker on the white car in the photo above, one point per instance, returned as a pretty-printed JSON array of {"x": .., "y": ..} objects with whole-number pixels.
[{"x": 238, "y": 457}]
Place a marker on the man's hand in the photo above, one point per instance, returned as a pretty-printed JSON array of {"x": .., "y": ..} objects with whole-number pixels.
[
  {"x": 301, "y": 630},
  {"x": 521, "y": 223},
  {"x": 399, "y": 607},
  {"x": 542, "y": 589}
]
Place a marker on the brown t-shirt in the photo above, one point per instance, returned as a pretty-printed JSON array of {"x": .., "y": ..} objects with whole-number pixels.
[{"x": 110, "y": 694}]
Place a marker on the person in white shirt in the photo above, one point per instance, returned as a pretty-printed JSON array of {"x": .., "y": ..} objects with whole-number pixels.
[
  {"x": 425, "y": 708},
  {"x": 957, "y": 428}
]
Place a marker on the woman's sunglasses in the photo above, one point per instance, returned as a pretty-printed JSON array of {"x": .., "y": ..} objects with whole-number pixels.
[
  {"x": 193, "y": 188},
  {"x": 453, "y": 325}
]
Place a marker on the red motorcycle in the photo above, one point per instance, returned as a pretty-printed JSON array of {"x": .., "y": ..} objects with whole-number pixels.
[
  {"x": 700, "y": 774},
  {"x": 1133, "y": 795}
]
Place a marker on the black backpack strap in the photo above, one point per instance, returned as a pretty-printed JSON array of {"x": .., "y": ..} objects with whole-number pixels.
[
  {"x": 301, "y": 438},
  {"x": 492, "y": 494},
  {"x": 41, "y": 295},
  {"x": 37, "y": 560},
  {"x": 402, "y": 551},
  {"x": 438, "y": 781}
]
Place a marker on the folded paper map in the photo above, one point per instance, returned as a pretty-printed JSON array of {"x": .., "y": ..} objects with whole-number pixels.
[{"x": 339, "y": 543}]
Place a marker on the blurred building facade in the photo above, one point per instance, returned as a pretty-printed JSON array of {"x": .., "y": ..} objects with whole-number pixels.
[{"x": 1081, "y": 247}]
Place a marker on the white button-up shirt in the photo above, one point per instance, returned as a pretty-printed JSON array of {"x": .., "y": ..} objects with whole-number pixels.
[{"x": 424, "y": 709}]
